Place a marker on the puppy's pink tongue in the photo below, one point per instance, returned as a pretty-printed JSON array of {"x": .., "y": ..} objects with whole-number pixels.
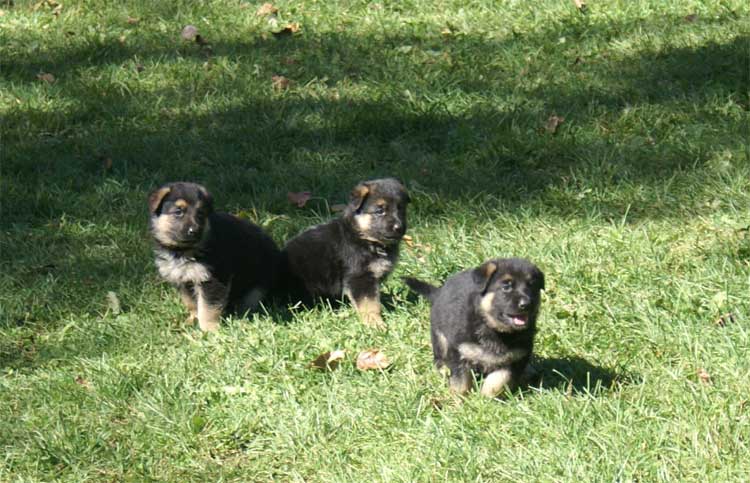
[{"x": 518, "y": 320}]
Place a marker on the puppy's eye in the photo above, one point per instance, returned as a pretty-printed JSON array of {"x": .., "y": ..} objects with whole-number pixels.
[
  {"x": 379, "y": 211},
  {"x": 178, "y": 212},
  {"x": 507, "y": 286}
]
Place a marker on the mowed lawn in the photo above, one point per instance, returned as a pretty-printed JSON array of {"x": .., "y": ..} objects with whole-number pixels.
[{"x": 607, "y": 144}]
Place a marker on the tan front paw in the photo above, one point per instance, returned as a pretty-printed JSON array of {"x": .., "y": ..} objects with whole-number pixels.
[{"x": 373, "y": 320}]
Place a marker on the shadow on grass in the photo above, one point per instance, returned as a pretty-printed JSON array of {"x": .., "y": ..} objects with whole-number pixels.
[
  {"x": 295, "y": 141},
  {"x": 576, "y": 376}
]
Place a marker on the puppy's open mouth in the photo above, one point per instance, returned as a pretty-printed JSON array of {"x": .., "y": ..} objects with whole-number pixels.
[{"x": 517, "y": 320}]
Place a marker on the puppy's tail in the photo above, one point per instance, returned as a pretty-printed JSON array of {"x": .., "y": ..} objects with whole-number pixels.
[{"x": 422, "y": 288}]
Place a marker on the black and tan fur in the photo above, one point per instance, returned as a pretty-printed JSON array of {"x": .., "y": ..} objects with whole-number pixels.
[
  {"x": 351, "y": 255},
  {"x": 218, "y": 262},
  {"x": 484, "y": 320}
]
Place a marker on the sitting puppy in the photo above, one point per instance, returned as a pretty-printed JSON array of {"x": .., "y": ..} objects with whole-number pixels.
[
  {"x": 484, "y": 320},
  {"x": 352, "y": 254},
  {"x": 219, "y": 263}
]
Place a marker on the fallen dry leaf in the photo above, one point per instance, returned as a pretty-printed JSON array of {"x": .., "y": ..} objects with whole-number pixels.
[
  {"x": 328, "y": 360},
  {"x": 408, "y": 240},
  {"x": 338, "y": 208},
  {"x": 553, "y": 123},
  {"x": 266, "y": 9},
  {"x": 372, "y": 359},
  {"x": 290, "y": 29},
  {"x": 132, "y": 20},
  {"x": 724, "y": 319},
  {"x": 189, "y": 32},
  {"x": 113, "y": 301},
  {"x": 280, "y": 83},
  {"x": 299, "y": 198},
  {"x": 580, "y": 4},
  {"x": 704, "y": 376},
  {"x": 46, "y": 77},
  {"x": 83, "y": 382}
]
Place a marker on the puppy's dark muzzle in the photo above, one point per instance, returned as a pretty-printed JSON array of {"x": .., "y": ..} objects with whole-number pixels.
[{"x": 191, "y": 236}]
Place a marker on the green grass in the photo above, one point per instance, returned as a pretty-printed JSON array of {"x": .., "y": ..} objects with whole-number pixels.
[{"x": 637, "y": 209}]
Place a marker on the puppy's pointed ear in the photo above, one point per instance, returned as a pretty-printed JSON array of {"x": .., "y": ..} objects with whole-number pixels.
[
  {"x": 407, "y": 198},
  {"x": 483, "y": 274},
  {"x": 540, "y": 278},
  {"x": 357, "y": 196},
  {"x": 208, "y": 199},
  {"x": 156, "y": 197}
]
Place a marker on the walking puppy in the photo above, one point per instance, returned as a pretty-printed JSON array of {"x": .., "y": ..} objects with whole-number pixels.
[
  {"x": 352, "y": 254},
  {"x": 484, "y": 320},
  {"x": 219, "y": 263}
]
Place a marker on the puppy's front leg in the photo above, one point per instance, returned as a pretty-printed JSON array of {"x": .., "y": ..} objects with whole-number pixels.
[
  {"x": 187, "y": 294},
  {"x": 364, "y": 292},
  {"x": 495, "y": 382},
  {"x": 212, "y": 298}
]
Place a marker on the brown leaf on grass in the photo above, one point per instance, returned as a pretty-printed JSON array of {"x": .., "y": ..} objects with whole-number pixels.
[
  {"x": 338, "y": 208},
  {"x": 46, "y": 77},
  {"x": 189, "y": 32},
  {"x": 553, "y": 123},
  {"x": 724, "y": 319},
  {"x": 704, "y": 376},
  {"x": 408, "y": 240},
  {"x": 132, "y": 20},
  {"x": 82, "y": 382},
  {"x": 328, "y": 360},
  {"x": 290, "y": 29},
  {"x": 280, "y": 83},
  {"x": 691, "y": 18},
  {"x": 372, "y": 359},
  {"x": 299, "y": 198},
  {"x": 266, "y": 9},
  {"x": 580, "y": 5}
]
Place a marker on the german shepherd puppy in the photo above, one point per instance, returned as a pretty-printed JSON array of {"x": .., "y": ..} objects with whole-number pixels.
[
  {"x": 352, "y": 254},
  {"x": 484, "y": 320},
  {"x": 218, "y": 262}
]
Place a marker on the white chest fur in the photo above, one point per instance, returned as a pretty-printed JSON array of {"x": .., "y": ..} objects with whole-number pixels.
[
  {"x": 179, "y": 270},
  {"x": 380, "y": 267}
]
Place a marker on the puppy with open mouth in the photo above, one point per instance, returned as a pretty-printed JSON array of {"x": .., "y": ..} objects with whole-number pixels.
[
  {"x": 351, "y": 255},
  {"x": 218, "y": 262},
  {"x": 484, "y": 320}
]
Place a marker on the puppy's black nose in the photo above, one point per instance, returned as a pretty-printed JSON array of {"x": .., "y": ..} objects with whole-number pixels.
[
  {"x": 192, "y": 230},
  {"x": 523, "y": 303}
]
